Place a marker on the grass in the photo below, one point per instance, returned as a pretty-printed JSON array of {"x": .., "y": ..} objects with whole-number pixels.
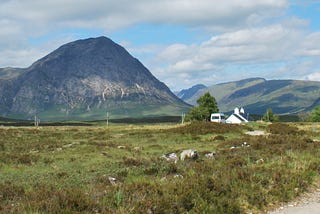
[
  {"x": 57, "y": 113},
  {"x": 67, "y": 169}
]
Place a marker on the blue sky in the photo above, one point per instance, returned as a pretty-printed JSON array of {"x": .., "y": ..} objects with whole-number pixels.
[{"x": 182, "y": 42}]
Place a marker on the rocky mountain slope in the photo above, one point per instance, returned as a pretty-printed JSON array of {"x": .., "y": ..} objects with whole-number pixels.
[
  {"x": 258, "y": 94},
  {"x": 84, "y": 80}
]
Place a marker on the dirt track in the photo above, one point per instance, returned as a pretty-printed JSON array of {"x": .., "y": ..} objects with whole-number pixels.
[{"x": 307, "y": 204}]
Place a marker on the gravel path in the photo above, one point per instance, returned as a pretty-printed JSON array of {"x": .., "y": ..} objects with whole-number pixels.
[
  {"x": 307, "y": 204},
  {"x": 256, "y": 133}
]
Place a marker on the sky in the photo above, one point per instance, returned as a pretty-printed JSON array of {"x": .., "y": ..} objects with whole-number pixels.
[{"x": 182, "y": 42}]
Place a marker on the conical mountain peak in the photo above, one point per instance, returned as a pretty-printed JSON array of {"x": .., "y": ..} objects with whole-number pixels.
[{"x": 85, "y": 78}]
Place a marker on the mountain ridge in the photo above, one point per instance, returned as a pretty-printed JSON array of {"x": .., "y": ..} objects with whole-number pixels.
[
  {"x": 259, "y": 94},
  {"x": 188, "y": 93}
]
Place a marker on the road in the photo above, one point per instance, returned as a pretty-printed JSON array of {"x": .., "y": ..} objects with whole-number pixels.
[{"x": 307, "y": 204}]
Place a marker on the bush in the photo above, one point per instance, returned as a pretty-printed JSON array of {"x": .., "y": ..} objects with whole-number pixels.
[
  {"x": 201, "y": 128},
  {"x": 315, "y": 114},
  {"x": 269, "y": 116},
  {"x": 219, "y": 137},
  {"x": 10, "y": 191},
  {"x": 283, "y": 129}
]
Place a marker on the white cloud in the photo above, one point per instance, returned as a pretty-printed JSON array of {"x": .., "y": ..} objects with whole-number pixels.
[
  {"x": 243, "y": 34},
  {"x": 110, "y": 14},
  {"x": 314, "y": 76},
  {"x": 265, "y": 48},
  {"x": 23, "y": 55},
  {"x": 272, "y": 43},
  {"x": 298, "y": 68},
  {"x": 22, "y": 20},
  {"x": 310, "y": 45},
  {"x": 191, "y": 66},
  {"x": 175, "y": 52}
]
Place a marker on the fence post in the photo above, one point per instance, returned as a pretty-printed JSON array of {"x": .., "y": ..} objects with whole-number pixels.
[{"x": 108, "y": 119}]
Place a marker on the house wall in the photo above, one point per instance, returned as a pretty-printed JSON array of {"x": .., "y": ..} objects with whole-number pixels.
[
  {"x": 236, "y": 119},
  {"x": 233, "y": 119}
]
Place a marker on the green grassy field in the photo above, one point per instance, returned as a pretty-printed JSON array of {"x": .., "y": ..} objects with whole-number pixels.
[{"x": 66, "y": 169}]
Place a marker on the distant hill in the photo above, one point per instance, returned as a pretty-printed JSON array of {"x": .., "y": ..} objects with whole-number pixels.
[
  {"x": 258, "y": 94},
  {"x": 83, "y": 80},
  {"x": 9, "y": 73},
  {"x": 186, "y": 94}
]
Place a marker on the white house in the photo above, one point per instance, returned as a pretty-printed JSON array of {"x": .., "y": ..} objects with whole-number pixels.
[{"x": 238, "y": 116}]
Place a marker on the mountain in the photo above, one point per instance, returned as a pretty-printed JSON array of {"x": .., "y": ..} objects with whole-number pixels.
[
  {"x": 186, "y": 94},
  {"x": 84, "y": 80},
  {"x": 257, "y": 94}
]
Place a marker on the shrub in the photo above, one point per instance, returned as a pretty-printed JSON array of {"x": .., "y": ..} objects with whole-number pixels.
[
  {"x": 283, "y": 129},
  {"x": 128, "y": 161},
  {"x": 48, "y": 199},
  {"x": 19, "y": 158},
  {"x": 315, "y": 114},
  {"x": 269, "y": 116},
  {"x": 219, "y": 137},
  {"x": 10, "y": 191},
  {"x": 202, "y": 128}
]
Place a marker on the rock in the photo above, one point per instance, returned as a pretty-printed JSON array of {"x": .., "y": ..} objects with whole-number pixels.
[
  {"x": 259, "y": 161},
  {"x": 178, "y": 176},
  {"x": 245, "y": 144},
  {"x": 104, "y": 153},
  {"x": 67, "y": 145},
  {"x": 190, "y": 153},
  {"x": 113, "y": 181},
  {"x": 171, "y": 157},
  {"x": 59, "y": 149},
  {"x": 163, "y": 178},
  {"x": 234, "y": 147},
  {"x": 210, "y": 155},
  {"x": 137, "y": 148}
]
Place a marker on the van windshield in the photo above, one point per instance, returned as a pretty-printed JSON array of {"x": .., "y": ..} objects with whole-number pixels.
[{"x": 215, "y": 117}]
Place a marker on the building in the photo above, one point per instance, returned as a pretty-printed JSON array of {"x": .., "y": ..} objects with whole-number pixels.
[{"x": 238, "y": 116}]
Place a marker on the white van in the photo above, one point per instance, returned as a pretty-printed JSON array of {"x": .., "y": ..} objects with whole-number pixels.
[{"x": 217, "y": 118}]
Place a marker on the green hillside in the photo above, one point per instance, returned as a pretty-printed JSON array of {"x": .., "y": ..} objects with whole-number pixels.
[{"x": 257, "y": 94}]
